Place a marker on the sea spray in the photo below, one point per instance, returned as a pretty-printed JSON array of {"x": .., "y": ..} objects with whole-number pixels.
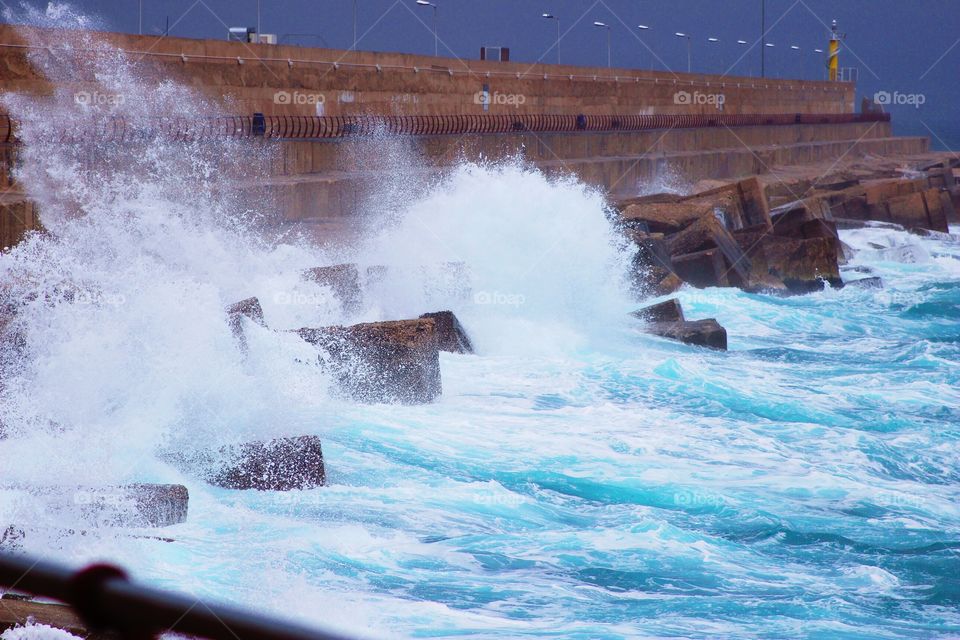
[
  {"x": 540, "y": 253},
  {"x": 120, "y": 301}
]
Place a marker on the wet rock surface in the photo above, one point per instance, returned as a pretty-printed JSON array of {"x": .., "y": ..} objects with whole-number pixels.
[
  {"x": 451, "y": 336},
  {"x": 393, "y": 361},
  {"x": 666, "y": 319},
  {"x": 275, "y": 465}
]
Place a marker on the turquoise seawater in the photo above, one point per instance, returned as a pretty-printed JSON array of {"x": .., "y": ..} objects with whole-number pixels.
[
  {"x": 803, "y": 484},
  {"x": 577, "y": 478}
]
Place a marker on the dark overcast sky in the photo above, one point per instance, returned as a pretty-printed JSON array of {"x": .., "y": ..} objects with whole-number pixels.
[{"x": 909, "y": 46}]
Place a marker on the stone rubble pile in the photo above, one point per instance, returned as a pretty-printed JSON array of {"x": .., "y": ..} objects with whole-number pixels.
[{"x": 729, "y": 236}]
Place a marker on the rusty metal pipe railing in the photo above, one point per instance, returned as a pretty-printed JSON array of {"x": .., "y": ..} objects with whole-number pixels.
[
  {"x": 106, "y": 600},
  {"x": 286, "y": 127}
]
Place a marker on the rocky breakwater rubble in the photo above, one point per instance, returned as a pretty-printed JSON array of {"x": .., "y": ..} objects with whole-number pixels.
[{"x": 730, "y": 236}]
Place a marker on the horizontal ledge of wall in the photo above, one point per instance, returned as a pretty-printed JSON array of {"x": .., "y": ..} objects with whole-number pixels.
[{"x": 626, "y": 78}]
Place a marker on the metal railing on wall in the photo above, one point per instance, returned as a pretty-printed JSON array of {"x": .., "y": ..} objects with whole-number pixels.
[{"x": 121, "y": 129}]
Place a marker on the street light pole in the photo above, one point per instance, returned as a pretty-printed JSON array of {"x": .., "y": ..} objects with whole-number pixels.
[
  {"x": 680, "y": 34},
  {"x": 741, "y": 43},
  {"x": 763, "y": 38},
  {"x": 258, "y": 20},
  {"x": 354, "y": 25},
  {"x": 604, "y": 25},
  {"x": 820, "y": 52},
  {"x": 140, "y": 30},
  {"x": 717, "y": 41},
  {"x": 550, "y": 16},
  {"x": 644, "y": 27},
  {"x": 436, "y": 38}
]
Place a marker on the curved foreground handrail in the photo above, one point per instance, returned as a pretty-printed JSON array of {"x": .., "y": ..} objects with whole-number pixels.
[{"x": 106, "y": 600}]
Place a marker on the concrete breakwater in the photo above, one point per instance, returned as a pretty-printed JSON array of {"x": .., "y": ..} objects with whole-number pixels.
[{"x": 321, "y": 185}]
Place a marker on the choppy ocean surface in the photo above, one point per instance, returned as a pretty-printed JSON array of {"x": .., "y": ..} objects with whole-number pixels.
[{"x": 578, "y": 478}]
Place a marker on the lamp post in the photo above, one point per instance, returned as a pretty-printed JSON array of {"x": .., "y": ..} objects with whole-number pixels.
[
  {"x": 258, "y": 20},
  {"x": 742, "y": 43},
  {"x": 644, "y": 27},
  {"x": 354, "y": 25},
  {"x": 436, "y": 39},
  {"x": 604, "y": 25},
  {"x": 550, "y": 16},
  {"x": 763, "y": 38},
  {"x": 713, "y": 40},
  {"x": 680, "y": 34}
]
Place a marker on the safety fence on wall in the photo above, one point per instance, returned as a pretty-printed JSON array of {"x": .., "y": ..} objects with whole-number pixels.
[{"x": 121, "y": 129}]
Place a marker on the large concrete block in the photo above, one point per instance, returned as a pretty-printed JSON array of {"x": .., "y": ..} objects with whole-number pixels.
[
  {"x": 451, "y": 336},
  {"x": 706, "y": 233},
  {"x": 920, "y": 210},
  {"x": 134, "y": 505},
  {"x": 394, "y": 361},
  {"x": 236, "y": 312},
  {"x": 276, "y": 465},
  {"x": 702, "y": 269},
  {"x": 16, "y": 220},
  {"x": 664, "y": 217},
  {"x": 666, "y": 311},
  {"x": 803, "y": 265},
  {"x": 703, "y": 333},
  {"x": 652, "y": 265},
  {"x": 742, "y": 204},
  {"x": 343, "y": 280}
]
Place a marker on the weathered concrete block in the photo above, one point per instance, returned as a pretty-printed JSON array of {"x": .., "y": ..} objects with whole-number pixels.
[
  {"x": 343, "y": 280},
  {"x": 249, "y": 308},
  {"x": 276, "y": 465},
  {"x": 447, "y": 280},
  {"x": 396, "y": 361},
  {"x": 742, "y": 204},
  {"x": 921, "y": 210},
  {"x": 953, "y": 195},
  {"x": 16, "y": 220},
  {"x": 622, "y": 203},
  {"x": 865, "y": 283},
  {"x": 451, "y": 336},
  {"x": 703, "y": 333},
  {"x": 134, "y": 505},
  {"x": 665, "y": 217},
  {"x": 702, "y": 269},
  {"x": 668, "y": 284},
  {"x": 667, "y": 311},
  {"x": 706, "y": 233},
  {"x": 792, "y": 265},
  {"x": 652, "y": 265},
  {"x": 803, "y": 265}
]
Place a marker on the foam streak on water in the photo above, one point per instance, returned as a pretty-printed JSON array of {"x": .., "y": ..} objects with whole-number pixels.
[{"x": 576, "y": 478}]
